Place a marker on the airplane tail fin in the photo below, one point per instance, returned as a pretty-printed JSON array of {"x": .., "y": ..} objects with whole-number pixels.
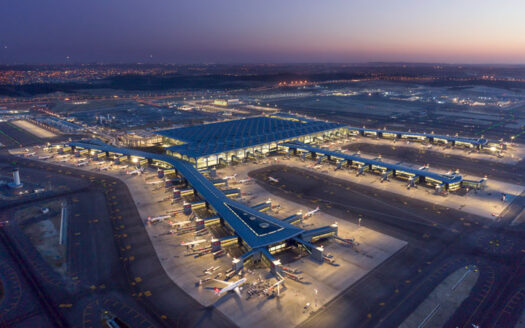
[{"x": 217, "y": 290}]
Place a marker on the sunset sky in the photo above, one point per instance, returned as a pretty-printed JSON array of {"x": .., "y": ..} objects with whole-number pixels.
[{"x": 270, "y": 31}]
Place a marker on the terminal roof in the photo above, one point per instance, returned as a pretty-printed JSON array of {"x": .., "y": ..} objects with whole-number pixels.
[{"x": 214, "y": 138}]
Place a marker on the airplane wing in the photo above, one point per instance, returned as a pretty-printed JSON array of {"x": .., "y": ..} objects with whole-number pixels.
[
  {"x": 237, "y": 291},
  {"x": 222, "y": 281}
]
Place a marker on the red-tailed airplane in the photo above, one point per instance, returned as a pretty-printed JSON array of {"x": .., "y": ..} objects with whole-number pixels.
[
  {"x": 312, "y": 212},
  {"x": 230, "y": 286}
]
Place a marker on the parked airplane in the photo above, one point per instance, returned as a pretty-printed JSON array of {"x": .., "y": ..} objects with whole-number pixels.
[
  {"x": 29, "y": 154},
  {"x": 82, "y": 163},
  {"x": 270, "y": 289},
  {"x": 424, "y": 167},
  {"x": 230, "y": 286},
  {"x": 384, "y": 176},
  {"x": 136, "y": 171},
  {"x": 155, "y": 182},
  {"x": 232, "y": 177},
  {"x": 195, "y": 242},
  {"x": 243, "y": 181},
  {"x": 411, "y": 183},
  {"x": 312, "y": 212},
  {"x": 179, "y": 224},
  {"x": 272, "y": 179},
  {"x": 158, "y": 218},
  {"x": 105, "y": 167},
  {"x": 45, "y": 157},
  {"x": 360, "y": 171}
]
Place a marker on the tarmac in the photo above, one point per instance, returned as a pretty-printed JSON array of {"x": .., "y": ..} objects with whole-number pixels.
[
  {"x": 486, "y": 203},
  {"x": 326, "y": 279},
  {"x": 110, "y": 266},
  {"x": 440, "y": 241}
]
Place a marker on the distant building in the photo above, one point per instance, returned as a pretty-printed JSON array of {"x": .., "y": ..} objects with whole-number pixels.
[
  {"x": 220, "y": 102},
  {"x": 233, "y": 101},
  {"x": 185, "y": 107},
  {"x": 140, "y": 138},
  {"x": 226, "y": 102}
]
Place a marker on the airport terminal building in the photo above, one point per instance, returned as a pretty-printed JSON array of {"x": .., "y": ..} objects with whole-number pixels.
[
  {"x": 227, "y": 142},
  {"x": 191, "y": 151}
]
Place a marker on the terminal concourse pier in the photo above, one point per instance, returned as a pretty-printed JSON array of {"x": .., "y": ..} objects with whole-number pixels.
[{"x": 261, "y": 234}]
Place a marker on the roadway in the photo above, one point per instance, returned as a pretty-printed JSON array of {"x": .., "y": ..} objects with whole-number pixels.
[
  {"x": 111, "y": 260},
  {"x": 441, "y": 240}
]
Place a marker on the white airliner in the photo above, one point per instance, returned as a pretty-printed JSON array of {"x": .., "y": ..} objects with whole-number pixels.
[
  {"x": 278, "y": 285},
  {"x": 179, "y": 224},
  {"x": 384, "y": 176},
  {"x": 424, "y": 167},
  {"x": 158, "y": 218},
  {"x": 312, "y": 212},
  {"x": 82, "y": 163},
  {"x": 45, "y": 157},
  {"x": 230, "y": 177},
  {"x": 272, "y": 179},
  {"x": 245, "y": 181},
  {"x": 195, "y": 242},
  {"x": 137, "y": 171},
  {"x": 105, "y": 167},
  {"x": 29, "y": 154},
  {"x": 100, "y": 163},
  {"x": 155, "y": 182},
  {"x": 230, "y": 286}
]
